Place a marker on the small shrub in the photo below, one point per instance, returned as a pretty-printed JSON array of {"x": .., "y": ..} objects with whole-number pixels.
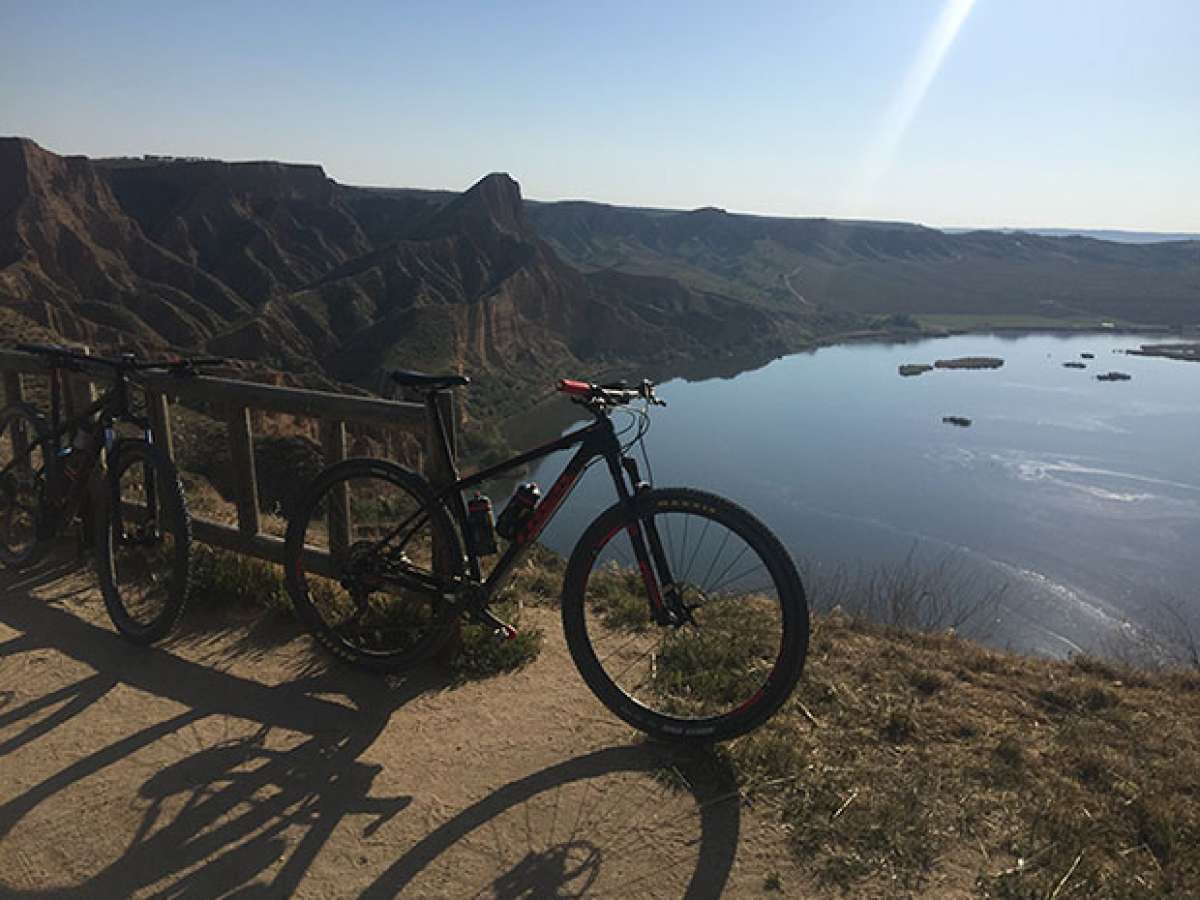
[
  {"x": 1093, "y": 665},
  {"x": 1074, "y": 697},
  {"x": 482, "y": 655},
  {"x": 1157, "y": 828},
  {"x": 220, "y": 578},
  {"x": 1009, "y": 752},
  {"x": 900, "y": 726},
  {"x": 926, "y": 682},
  {"x": 1090, "y": 769}
]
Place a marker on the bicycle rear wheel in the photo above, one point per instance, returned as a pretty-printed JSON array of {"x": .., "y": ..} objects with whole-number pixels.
[
  {"x": 372, "y": 529},
  {"x": 23, "y": 448},
  {"x": 738, "y": 641},
  {"x": 143, "y": 543}
]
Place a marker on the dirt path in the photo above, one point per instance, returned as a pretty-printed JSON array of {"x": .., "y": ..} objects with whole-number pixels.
[
  {"x": 235, "y": 762},
  {"x": 787, "y": 280}
]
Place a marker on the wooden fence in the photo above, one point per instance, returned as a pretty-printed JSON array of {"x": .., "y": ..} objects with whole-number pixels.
[{"x": 233, "y": 402}]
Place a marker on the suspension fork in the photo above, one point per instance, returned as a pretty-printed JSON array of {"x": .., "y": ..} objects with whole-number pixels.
[
  {"x": 151, "y": 484},
  {"x": 647, "y": 545}
]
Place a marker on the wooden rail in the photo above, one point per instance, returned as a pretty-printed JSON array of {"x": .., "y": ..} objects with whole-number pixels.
[{"x": 232, "y": 402}]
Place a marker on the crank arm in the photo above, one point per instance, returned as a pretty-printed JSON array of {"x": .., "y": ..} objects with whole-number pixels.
[{"x": 500, "y": 629}]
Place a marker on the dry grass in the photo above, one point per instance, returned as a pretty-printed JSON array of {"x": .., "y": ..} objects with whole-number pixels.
[
  {"x": 908, "y": 761},
  {"x": 220, "y": 579},
  {"x": 912, "y": 762}
]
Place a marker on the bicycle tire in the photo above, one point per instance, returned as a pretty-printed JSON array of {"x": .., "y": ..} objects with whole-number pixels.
[
  {"x": 792, "y": 647},
  {"x": 37, "y": 433},
  {"x": 174, "y": 518},
  {"x": 442, "y": 614}
]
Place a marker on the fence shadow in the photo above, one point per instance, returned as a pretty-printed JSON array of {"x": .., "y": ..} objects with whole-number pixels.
[
  {"x": 268, "y": 772},
  {"x": 215, "y": 819}
]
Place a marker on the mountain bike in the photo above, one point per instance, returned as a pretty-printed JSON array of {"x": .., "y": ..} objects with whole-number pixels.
[
  {"x": 49, "y": 479},
  {"x": 683, "y": 612}
]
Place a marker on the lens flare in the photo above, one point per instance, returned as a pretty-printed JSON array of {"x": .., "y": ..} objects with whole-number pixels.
[{"x": 907, "y": 101}]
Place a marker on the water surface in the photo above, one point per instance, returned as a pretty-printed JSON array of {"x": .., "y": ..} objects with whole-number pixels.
[{"x": 1083, "y": 496}]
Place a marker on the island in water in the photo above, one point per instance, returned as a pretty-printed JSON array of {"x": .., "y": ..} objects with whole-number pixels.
[
  {"x": 961, "y": 362},
  {"x": 970, "y": 362},
  {"x": 1169, "y": 351}
]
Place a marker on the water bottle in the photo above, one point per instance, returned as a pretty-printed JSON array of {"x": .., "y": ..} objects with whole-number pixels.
[{"x": 520, "y": 507}]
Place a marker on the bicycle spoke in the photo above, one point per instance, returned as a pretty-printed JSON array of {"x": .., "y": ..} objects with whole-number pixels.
[{"x": 699, "y": 544}]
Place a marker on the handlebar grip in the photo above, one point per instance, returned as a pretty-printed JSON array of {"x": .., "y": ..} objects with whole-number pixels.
[{"x": 575, "y": 388}]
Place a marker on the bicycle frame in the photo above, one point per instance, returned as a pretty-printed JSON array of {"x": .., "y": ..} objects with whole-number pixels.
[
  {"x": 594, "y": 441},
  {"x": 97, "y": 420}
]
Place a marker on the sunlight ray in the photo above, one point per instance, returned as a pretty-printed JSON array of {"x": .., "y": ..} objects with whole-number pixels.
[{"x": 907, "y": 101}]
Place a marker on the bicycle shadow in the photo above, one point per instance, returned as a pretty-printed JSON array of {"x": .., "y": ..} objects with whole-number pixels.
[
  {"x": 613, "y": 810},
  {"x": 238, "y": 786},
  {"x": 267, "y": 763}
]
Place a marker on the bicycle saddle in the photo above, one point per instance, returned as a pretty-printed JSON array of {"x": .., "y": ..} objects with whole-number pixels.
[{"x": 432, "y": 382}]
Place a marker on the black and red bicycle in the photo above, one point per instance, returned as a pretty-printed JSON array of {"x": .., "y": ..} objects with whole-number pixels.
[
  {"x": 126, "y": 489},
  {"x": 683, "y": 612}
]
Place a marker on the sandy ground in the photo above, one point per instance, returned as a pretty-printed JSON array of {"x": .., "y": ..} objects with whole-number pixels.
[{"x": 235, "y": 761}]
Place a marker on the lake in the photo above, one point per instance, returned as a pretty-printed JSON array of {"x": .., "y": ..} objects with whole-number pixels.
[{"x": 1083, "y": 497}]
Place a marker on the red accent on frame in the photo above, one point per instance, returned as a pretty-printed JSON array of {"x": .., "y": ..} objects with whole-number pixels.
[
  {"x": 648, "y": 576},
  {"x": 544, "y": 510}
]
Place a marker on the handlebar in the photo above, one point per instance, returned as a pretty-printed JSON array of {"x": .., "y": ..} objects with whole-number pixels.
[
  {"x": 614, "y": 394},
  {"x": 125, "y": 363}
]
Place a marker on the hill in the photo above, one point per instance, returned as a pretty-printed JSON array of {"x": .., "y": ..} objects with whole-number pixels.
[
  {"x": 883, "y": 268},
  {"x": 1121, "y": 236},
  {"x": 280, "y": 266}
]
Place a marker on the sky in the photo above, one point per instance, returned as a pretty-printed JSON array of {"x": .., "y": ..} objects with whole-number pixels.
[{"x": 1073, "y": 113}]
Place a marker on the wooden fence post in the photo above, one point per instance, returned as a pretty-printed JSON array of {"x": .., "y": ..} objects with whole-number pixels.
[
  {"x": 12, "y": 394},
  {"x": 333, "y": 446},
  {"x": 12, "y": 388},
  {"x": 440, "y": 471},
  {"x": 79, "y": 390},
  {"x": 241, "y": 447}
]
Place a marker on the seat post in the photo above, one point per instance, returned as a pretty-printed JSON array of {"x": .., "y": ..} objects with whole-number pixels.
[{"x": 443, "y": 468}]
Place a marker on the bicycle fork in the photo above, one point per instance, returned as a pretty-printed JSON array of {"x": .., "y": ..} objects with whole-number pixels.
[{"x": 648, "y": 550}]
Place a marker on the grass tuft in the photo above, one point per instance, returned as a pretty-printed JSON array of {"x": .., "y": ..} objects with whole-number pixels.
[
  {"x": 482, "y": 655},
  {"x": 221, "y": 578}
]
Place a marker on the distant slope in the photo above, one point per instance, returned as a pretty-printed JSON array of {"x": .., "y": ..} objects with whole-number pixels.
[
  {"x": 869, "y": 267},
  {"x": 1117, "y": 235}
]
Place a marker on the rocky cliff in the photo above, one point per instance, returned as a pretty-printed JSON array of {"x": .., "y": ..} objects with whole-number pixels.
[{"x": 280, "y": 265}]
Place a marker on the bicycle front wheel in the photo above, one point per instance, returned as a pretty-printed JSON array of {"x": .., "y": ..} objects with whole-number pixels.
[
  {"x": 360, "y": 564},
  {"x": 143, "y": 543},
  {"x": 738, "y": 635},
  {"x": 23, "y": 448}
]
